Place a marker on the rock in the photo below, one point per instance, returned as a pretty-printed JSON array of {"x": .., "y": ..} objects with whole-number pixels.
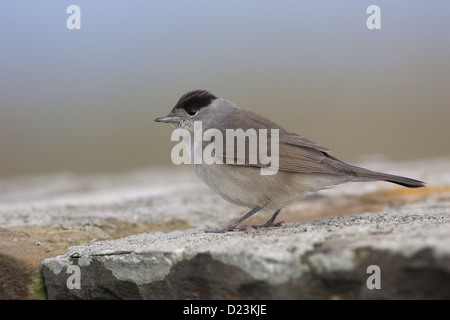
[
  {"x": 323, "y": 250},
  {"x": 325, "y": 259},
  {"x": 62, "y": 209}
]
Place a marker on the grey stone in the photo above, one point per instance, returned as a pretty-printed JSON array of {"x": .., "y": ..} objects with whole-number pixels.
[{"x": 325, "y": 259}]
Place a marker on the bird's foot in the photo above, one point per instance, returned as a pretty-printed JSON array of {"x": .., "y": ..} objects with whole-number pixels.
[
  {"x": 222, "y": 230},
  {"x": 247, "y": 227},
  {"x": 267, "y": 225}
]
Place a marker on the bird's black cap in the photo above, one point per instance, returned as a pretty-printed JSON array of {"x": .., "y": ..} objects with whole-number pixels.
[{"x": 195, "y": 100}]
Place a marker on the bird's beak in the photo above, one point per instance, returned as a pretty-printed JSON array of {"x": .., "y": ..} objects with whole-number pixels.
[{"x": 167, "y": 119}]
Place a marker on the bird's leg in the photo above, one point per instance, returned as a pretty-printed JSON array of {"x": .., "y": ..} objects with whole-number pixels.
[
  {"x": 270, "y": 222},
  {"x": 235, "y": 224}
]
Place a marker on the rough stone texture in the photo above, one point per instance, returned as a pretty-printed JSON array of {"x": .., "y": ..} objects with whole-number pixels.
[
  {"x": 323, "y": 259},
  {"x": 323, "y": 251}
]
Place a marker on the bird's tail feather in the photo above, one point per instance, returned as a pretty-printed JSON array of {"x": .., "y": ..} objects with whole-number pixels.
[{"x": 364, "y": 174}]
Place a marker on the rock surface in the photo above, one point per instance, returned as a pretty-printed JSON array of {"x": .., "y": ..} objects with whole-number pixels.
[
  {"x": 101, "y": 224},
  {"x": 326, "y": 259}
]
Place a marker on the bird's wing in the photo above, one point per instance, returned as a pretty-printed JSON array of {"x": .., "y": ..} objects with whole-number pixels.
[
  {"x": 300, "y": 155},
  {"x": 295, "y": 153}
]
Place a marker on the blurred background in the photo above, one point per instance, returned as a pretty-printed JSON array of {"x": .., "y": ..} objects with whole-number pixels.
[{"x": 84, "y": 100}]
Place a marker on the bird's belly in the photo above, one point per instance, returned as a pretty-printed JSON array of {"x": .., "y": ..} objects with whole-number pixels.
[{"x": 246, "y": 186}]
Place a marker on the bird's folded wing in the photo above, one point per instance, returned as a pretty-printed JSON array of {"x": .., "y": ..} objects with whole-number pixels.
[{"x": 295, "y": 153}]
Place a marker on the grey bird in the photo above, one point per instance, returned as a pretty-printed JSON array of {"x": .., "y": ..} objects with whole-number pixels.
[{"x": 303, "y": 167}]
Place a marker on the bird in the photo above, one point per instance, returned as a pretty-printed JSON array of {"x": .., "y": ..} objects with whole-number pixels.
[{"x": 303, "y": 166}]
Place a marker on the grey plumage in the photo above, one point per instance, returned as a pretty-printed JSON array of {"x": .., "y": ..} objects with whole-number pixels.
[
  {"x": 304, "y": 166},
  {"x": 300, "y": 155}
]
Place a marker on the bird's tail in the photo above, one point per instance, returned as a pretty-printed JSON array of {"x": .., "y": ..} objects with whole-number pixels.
[
  {"x": 364, "y": 175},
  {"x": 403, "y": 181}
]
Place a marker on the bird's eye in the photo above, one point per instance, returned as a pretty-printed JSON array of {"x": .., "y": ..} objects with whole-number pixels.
[{"x": 192, "y": 112}]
